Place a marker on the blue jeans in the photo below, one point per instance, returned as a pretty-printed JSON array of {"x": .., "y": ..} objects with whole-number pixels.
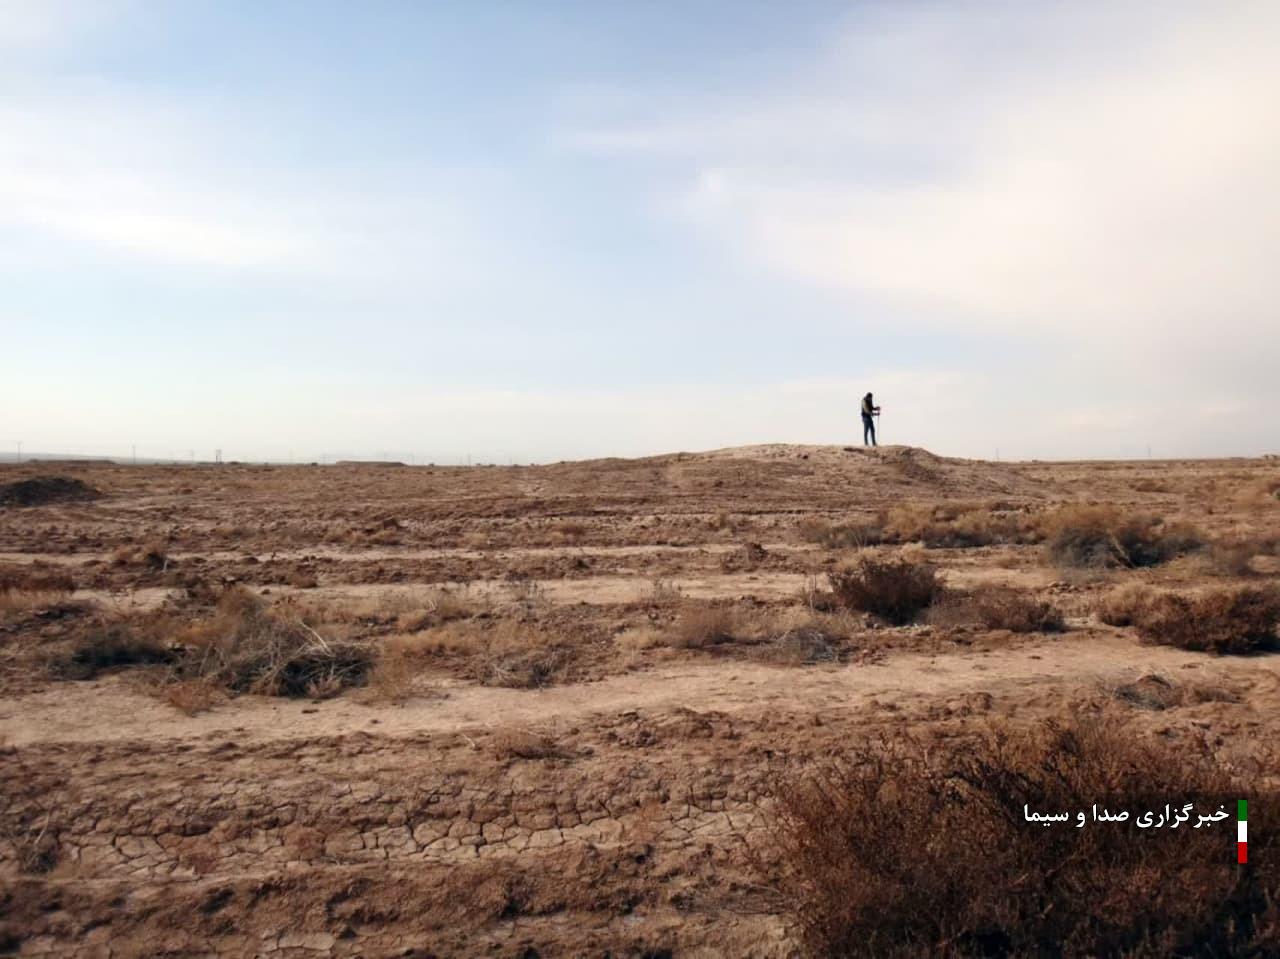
[{"x": 868, "y": 429}]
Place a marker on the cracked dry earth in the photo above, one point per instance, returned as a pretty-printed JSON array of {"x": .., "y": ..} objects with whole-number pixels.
[{"x": 614, "y": 812}]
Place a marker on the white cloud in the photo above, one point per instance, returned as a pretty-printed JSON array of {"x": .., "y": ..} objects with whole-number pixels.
[{"x": 1039, "y": 175}]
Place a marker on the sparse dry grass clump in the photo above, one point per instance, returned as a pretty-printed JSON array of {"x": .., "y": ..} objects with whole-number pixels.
[
  {"x": 153, "y": 554},
  {"x": 808, "y": 643},
  {"x": 905, "y": 849},
  {"x": 954, "y": 525},
  {"x": 29, "y": 587},
  {"x": 895, "y": 589},
  {"x": 1240, "y": 619},
  {"x": 1232, "y": 620},
  {"x": 391, "y": 680},
  {"x": 106, "y": 648},
  {"x": 245, "y": 646},
  {"x": 1102, "y": 536},
  {"x": 702, "y": 624},
  {"x": 934, "y": 525},
  {"x": 852, "y": 535},
  {"x": 1125, "y": 605},
  {"x": 35, "y": 578},
  {"x": 1233, "y": 556},
  {"x": 514, "y": 653},
  {"x": 1154, "y": 691},
  {"x": 1003, "y": 607}
]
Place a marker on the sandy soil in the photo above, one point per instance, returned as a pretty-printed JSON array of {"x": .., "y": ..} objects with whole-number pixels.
[{"x": 613, "y": 809}]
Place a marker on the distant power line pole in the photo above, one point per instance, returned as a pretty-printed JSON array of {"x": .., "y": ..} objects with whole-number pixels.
[{"x": 135, "y": 454}]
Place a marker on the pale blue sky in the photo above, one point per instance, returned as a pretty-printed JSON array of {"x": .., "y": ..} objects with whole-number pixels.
[{"x": 548, "y": 230}]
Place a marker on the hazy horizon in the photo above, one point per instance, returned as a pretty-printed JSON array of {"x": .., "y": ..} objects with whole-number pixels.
[{"x": 537, "y": 232}]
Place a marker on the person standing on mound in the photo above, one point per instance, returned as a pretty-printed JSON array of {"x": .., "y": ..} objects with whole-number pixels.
[{"x": 869, "y": 410}]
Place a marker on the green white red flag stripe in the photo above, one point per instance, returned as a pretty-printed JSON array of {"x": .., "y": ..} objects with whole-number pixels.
[{"x": 1242, "y": 830}]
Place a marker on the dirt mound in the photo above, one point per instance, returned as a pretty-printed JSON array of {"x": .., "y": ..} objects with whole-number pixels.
[{"x": 41, "y": 490}]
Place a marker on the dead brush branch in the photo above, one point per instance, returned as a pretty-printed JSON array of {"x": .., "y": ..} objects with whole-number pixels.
[{"x": 857, "y": 846}]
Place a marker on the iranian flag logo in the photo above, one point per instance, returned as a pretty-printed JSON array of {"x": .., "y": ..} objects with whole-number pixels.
[{"x": 1242, "y": 830}]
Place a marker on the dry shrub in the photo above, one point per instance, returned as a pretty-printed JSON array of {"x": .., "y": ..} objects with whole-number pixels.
[
  {"x": 439, "y": 606},
  {"x": 953, "y": 525},
  {"x": 1238, "y": 620},
  {"x": 40, "y": 490},
  {"x": 1101, "y": 536},
  {"x": 524, "y": 668},
  {"x": 1153, "y": 691},
  {"x": 895, "y": 589},
  {"x": 35, "y": 578},
  {"x": 112, "y": 647},
  {"x": 24, "y": 588},
  {"x": 1234, "y": 556},
  {"x": 248, "y": 647},
  {"x": 634, "y": 639},
  {"x": 808, "y": 644},
  {"x": 391, "y": 679},
  {"x": 839, "y": 535},
  {"x": 153, "y": 555},
  {"x": 901, "y": 849},
  {"x": 704, "y": 624},
  {"x": 1125, "y": 605},
  {"x": 506, "y": 652},
  {"x": 1003, "y": 607}
]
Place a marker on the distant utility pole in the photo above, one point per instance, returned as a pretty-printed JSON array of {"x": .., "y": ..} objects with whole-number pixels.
[
  {"x": 192, "y": 454},
  {"x": 217, "y": 456},
  {"x": 135, "y": 454}
]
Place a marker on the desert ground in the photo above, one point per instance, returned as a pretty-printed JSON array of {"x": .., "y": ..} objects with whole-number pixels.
[{"x": 560, "y": 710}]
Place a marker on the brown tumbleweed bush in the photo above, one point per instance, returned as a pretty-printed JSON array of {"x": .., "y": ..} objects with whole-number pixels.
[
  {"x": 1003, "y": 607},
  {"x": 1101, "y": 536},
  {"x": 896, "y": 589},
  {"x": 249, "y": 647},
  {"x": 1239, "y": 620},
  {"x": 902, "y": 849},
  {"x": 1125, "y": 605}
]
